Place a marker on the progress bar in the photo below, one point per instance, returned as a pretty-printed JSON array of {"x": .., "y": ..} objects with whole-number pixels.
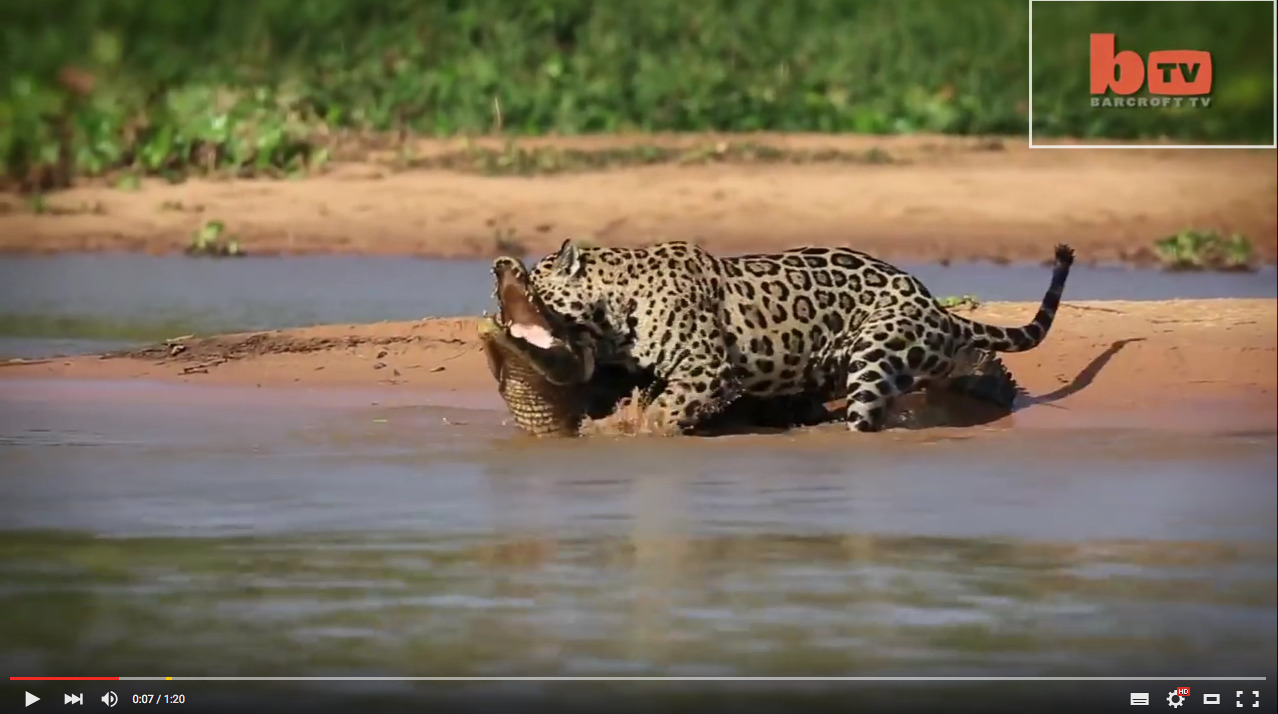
[{"x": 640, "y": 679}]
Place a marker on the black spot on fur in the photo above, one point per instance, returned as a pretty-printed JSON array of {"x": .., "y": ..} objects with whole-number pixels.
[
  {"x": 798, "y": 279},
  {"x": 865, "y": 396},
  {"x": 903, "y": 285},
  {"x": 847, "y": 260}
]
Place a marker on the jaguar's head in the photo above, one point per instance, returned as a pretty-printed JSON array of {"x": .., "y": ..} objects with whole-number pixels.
[{"x": 574, "y": 284}]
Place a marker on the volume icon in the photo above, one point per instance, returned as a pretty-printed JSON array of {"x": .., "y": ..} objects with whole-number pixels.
[{"x": 110, "y": 699}]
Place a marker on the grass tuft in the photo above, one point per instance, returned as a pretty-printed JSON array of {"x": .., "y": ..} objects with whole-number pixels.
[
  {"x": 1193, "y": 249},
  {"x": 211, "y": 240},
  {"x": 960, "y": 302}
]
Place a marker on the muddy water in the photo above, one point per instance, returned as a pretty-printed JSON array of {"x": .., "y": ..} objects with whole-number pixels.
[
  {"x": 161, "y": 530},
  {"x": 67, "y": 304}
]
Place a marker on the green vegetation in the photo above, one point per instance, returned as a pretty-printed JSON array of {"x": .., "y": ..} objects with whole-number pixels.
[
  {"x": 515, "y": 160},
  {"x": 1205, "y": 250},
  {"x": 960, "y": 302},
  {"x": 127, "y": 88},
  {"x": 211, "y": 240},
  {"x": 39, "y": 204}
]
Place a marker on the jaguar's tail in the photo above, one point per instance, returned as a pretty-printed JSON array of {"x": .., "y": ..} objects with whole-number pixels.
[{"x": 1019, "y": 339}]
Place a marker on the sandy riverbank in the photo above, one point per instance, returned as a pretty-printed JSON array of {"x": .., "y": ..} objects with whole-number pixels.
[
  {"x": 1180, "y": 357},
  {"x": 920, "y": 198}
]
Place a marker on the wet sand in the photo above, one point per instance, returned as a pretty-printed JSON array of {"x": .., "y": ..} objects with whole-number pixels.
[
  {"x": 923, "y": 198},
  {"x": 1193, "y": 364}
]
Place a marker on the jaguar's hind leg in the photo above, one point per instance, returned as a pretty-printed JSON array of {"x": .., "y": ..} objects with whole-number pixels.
[
  {"x": 890, "y": 357},
  {"x": 871, "y": 393}
]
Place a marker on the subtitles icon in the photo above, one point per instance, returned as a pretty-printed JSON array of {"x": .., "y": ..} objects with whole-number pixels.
[{"x": 1140, "y": 699}]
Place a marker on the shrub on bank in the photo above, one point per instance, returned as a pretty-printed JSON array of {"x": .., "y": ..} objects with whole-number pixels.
[{"x": 91, "y": 86}]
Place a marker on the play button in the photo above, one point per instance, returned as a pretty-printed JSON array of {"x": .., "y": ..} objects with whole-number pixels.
[{"x": 32, "y": 699}]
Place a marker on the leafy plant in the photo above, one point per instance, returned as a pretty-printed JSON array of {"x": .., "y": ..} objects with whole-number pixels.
[
  {"x": 1193, "y": 249},
  {"x": 960, "y": 302},
  {"x": 211, "y": 240}
]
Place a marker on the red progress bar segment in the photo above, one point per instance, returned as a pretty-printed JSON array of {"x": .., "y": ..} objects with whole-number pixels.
[{"x": 64, "y": 679}]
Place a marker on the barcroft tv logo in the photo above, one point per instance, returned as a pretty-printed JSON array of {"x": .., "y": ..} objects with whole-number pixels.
[
  {"x": 1169, "y": 88},
  {"x": 1171, "y": 78}
]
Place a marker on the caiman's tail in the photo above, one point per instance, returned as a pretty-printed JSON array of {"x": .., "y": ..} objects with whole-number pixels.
[{"x": 1019, "y": 339}]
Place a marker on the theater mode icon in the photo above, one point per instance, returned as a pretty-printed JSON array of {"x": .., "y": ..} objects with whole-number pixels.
[
  {"x": 1211, "y": 699},
  {"x": 1140, "y": 699}
]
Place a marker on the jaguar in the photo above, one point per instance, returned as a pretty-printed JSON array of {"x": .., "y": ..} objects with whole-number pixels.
[
  {"x": 830, "y": 323},
  {"x": 552, "y": 386}
]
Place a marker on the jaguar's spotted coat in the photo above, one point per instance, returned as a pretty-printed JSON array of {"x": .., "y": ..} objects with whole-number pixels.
[{"x": 806, "y": 323}]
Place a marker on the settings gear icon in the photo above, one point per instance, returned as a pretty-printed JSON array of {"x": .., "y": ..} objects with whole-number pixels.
[{"x": 1174, "y": 699}]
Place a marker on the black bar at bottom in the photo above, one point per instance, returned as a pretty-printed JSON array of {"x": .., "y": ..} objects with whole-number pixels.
[{"x": 334, "y": 697}]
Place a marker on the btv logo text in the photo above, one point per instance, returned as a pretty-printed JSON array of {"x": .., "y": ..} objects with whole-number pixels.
[{"x": 1171, "y": 75}]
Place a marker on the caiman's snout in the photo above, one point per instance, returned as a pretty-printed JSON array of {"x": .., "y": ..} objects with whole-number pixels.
[{"x": 519, "y": 316}]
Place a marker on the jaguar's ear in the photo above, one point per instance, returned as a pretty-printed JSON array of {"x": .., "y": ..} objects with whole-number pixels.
[{"x": 568, "y": 260}]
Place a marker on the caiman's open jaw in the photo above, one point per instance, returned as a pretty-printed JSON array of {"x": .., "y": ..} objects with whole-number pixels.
[
  {"x": 519, "y": 315},
  {"x": 528, "y": 331}
]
